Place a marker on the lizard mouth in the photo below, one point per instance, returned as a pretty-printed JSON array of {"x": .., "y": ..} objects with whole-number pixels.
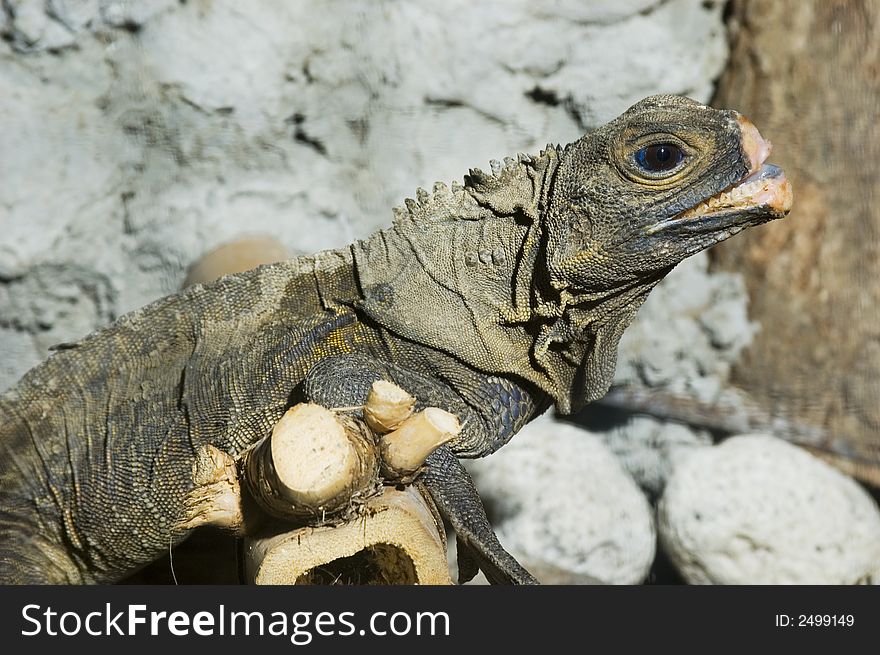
[{"x": 763, "y": 195}]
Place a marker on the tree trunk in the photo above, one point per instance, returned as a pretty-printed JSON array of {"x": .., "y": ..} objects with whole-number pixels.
[{"x": 808, "y": 75}]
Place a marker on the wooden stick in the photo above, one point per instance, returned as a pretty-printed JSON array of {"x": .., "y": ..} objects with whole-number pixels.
[
  {"x": 405, "y": 449},
  {"x": 387, "y": 406},
  {"x": 314, "y": 463},
  {"x": 216, "y": 498},
  {"x": 242, "y": 254},
  {"x": 397, "y": 540}
]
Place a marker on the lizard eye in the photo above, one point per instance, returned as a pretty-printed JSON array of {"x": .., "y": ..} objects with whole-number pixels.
[{"x": 659, "y": 158}]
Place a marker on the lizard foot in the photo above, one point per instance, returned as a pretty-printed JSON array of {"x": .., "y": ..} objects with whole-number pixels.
[{"x": 456, "y": 498}]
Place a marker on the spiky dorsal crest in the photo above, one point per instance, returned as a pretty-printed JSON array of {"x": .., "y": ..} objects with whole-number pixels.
[{"x": 511, "y": 186}]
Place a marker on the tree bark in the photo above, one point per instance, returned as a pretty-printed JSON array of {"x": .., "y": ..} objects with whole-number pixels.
[{"x": 808, "y": 75}]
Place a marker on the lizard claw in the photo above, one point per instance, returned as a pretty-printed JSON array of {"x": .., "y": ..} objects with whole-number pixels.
[
  {"x": 499, "y": 566},
  {"x": 468, "y": 565}
]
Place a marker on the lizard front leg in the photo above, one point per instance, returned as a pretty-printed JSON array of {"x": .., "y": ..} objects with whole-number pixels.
[
  {"x": 489, "y": 416},
  {"x": 456, "y": 497}
]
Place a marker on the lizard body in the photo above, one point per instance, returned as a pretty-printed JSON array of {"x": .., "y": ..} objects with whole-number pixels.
[{"x": 492, "y": 300}]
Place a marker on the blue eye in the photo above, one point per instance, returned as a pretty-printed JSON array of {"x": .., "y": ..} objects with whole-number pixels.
[{"x": 659, "y": 158}]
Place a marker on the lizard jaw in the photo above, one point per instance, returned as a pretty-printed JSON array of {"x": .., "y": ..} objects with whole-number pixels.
[
  {"x": 766, "y": 188},
  {"x": 765, "y": 194}
]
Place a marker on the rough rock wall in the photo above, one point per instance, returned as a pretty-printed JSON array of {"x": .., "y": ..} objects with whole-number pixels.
[{"x": 136, "y": 135}]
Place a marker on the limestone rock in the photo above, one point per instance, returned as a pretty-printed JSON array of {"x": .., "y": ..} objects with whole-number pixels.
[
  {"x": 649, "y": 449},
  {"x": 560, "y": 499},
  {"x": 238, "y": 255},
  {"x": 684, "y": 341},
  {"x": 757, "y": 510}
]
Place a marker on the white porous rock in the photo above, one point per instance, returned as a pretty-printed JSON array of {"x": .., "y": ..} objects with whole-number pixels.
[
  {"x": 758, "y": 510},
  {"x": 648, "y": 449},
  {"x": 560, "y": 500}
]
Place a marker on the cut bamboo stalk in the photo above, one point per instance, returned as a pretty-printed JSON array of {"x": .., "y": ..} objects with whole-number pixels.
[
  {"x": 396, "y": 540},
  {"x": 405, "y": 449},
  {"x": 314, "y": 463},
  {"x": 387, "y": 406},
  {"x": 216, "y": 498}
]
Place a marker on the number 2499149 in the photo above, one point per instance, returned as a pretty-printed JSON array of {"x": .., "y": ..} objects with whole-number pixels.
[{"x": 815, "y": 620}]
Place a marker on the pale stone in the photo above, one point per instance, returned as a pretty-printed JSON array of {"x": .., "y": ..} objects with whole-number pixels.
[
  {"x": 758, "y": 510},
  {"x": 559, "y": 497}
]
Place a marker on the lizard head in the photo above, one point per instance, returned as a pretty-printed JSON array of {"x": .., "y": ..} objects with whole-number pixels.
[{"x": 666, "y": 179}]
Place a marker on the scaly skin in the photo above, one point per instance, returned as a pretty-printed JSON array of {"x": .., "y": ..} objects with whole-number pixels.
[{"x": 493, "y": 300}]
